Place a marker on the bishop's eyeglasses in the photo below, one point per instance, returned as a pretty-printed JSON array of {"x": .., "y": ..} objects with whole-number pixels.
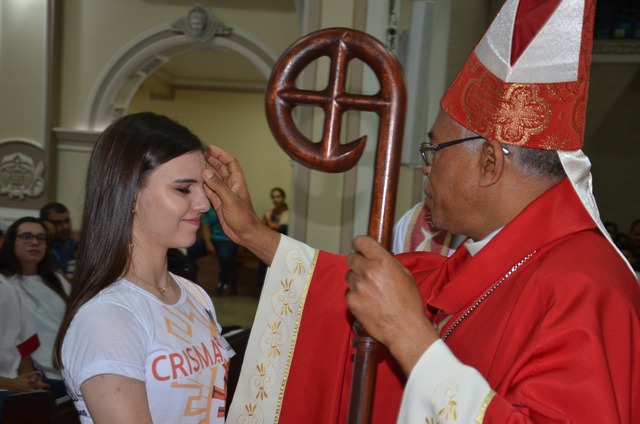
[{"x": 428, "y": 150}]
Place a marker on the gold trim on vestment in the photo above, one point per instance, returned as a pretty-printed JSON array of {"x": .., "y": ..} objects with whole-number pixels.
[
  {"x": 485, "y": 405},
  {"x": 294, "y": 337}
]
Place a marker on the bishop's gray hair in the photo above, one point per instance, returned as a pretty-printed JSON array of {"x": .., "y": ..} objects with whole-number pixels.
[{"x": 529, "y": 162}]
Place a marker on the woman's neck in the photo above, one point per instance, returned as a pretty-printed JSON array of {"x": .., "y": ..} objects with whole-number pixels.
[{"x": 29, "y": 269}]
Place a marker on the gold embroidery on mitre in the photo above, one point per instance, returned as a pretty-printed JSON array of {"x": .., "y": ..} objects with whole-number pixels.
[
  {"x": 522, "y": 113},
  {"x": 507, "y": 112},
  {"x": 480, "y": 100},
  {"x": 563, "y": 92},
  {"x": 579, "y": 116},
  {"x": 552, "y": 142}
]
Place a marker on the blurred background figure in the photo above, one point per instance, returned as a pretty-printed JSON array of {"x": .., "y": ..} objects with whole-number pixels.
[
  {"x": 277, "y": 218},
  {"x": 17, "y": 341},
  {"x": 414, "y": 232},
  {"x": 214, "y": 241},
  {"x": 27, "y": 264},
  {"x": 627, "y": 249},
  {"x": 612, "y": 229},
  {"x": 64, "y": 246}
]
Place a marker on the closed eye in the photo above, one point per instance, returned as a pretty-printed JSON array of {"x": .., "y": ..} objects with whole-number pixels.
[{"x": 184, "y": 190}]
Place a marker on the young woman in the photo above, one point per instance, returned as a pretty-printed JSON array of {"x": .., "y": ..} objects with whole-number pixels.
[
  {"x": 27, "y": 264},
  {"x": 138, "y": 343},
  {"x": 277, "y": 218}
]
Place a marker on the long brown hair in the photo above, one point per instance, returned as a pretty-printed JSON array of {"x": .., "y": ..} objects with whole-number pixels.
[
  {"x": 10, "y": 265},
  {"x": 124, "y": 156}
]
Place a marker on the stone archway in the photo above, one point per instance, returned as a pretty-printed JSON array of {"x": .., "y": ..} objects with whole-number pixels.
[{"x": 110, "y": 96}]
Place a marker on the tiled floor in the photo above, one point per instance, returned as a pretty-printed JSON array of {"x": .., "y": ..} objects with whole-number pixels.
[{"x": 238, "y": 309}]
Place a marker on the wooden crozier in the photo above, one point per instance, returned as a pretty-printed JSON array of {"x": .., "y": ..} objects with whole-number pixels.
[{"x": 341, "y": 45}]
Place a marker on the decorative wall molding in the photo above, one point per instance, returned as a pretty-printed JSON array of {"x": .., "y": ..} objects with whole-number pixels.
[
  {"x": 201, "y": 25},
  {"x": 75, "y": 140},
  {"x": 22, "y": 174},
  {"x": 198, "y": 30},
  {"x": 8, "y": 215}
]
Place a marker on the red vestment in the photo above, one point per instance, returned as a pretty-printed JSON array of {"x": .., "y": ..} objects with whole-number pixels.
[{"x": 558, "y": 340}]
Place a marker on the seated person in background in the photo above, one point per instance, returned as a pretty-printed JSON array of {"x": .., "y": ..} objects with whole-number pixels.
[
  {"x": 27, "y": 265},
  {"x": 64, "y": 246},
  {"x": 414, "y": 231},
  {"x": 17, "y": 341}
]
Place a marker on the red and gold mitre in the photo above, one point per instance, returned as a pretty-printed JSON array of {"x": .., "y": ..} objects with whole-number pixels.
[{"x": 527, "y": 80}]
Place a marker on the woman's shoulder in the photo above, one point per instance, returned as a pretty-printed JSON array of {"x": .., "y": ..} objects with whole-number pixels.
[
  {"x": 114, "y": 305},
  {"x": 120, "y": 293},
  {"x": 186, "y": 283},
  {"x": 192, "y": 289},
  {"x": 7, "y": 292}
]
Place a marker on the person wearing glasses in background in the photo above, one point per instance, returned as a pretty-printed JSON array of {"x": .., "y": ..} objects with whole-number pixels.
[
  {"x": 26, "y": 263},
  {"x": 535, "y": 318}
]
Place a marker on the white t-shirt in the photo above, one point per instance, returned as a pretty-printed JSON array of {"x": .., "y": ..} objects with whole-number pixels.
[
  {"x": 175, "y": 349},
  {"x": 46, "y": 310},
  {"x": 17, "y": 338},
  {"x": 411, "y": 224}
]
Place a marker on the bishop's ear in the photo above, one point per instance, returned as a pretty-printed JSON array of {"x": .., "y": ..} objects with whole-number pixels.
[{"x": 492, "y": 162}]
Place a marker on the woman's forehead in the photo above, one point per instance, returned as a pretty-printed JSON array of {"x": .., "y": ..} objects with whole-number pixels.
[{"x": 32, "y": 227}]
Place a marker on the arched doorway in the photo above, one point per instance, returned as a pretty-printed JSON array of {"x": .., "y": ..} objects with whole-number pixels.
[{"x": 151, "y": 50}]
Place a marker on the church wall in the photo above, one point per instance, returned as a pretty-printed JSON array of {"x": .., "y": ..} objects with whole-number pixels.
[{"x": 95, "y": 31}]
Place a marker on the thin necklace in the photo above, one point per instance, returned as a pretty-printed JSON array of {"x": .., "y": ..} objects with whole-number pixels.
[
  {"x": 162, "y": 290},
  {"x": 484, "y": 296}
]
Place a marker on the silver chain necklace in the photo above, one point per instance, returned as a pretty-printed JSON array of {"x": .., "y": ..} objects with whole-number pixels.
[{"x": 485, "y": 295}]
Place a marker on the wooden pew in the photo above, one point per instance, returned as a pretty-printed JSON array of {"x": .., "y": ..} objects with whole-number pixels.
[{"x": 39, "y": 408}]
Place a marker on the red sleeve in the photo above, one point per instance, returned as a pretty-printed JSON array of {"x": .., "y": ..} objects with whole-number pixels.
[
  {"x": 29, "y": 346},
  {"x": 319, "y": 383}
]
